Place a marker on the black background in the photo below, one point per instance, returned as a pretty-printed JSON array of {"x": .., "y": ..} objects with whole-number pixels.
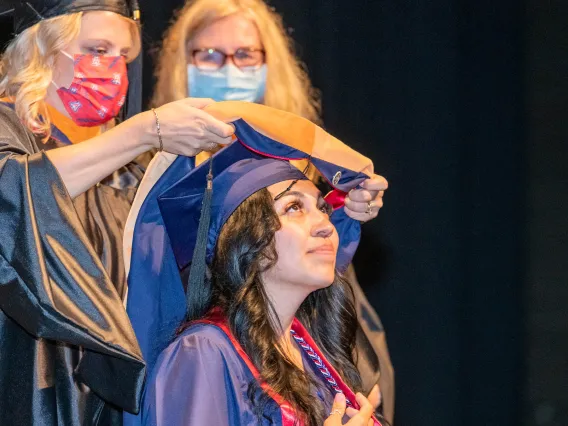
[{"x": 462, "y": 105}]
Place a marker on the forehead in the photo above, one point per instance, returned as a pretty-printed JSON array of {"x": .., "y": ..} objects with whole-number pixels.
[
  {"x": 106, "y": 26},
  {"x": 306, "y": 187},
  {"x": 228, "y": 34}
]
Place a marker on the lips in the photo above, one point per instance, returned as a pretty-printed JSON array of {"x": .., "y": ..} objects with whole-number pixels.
[{"x": 327, "y": 248}]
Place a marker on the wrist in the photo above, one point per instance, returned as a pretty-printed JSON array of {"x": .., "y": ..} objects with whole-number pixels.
[{"x": 144, "y": 125}]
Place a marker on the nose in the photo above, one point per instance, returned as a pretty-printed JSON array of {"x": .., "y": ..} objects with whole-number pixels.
[
  {"x": 230, "y": 59},
  {"x": 322, "y": 227}
]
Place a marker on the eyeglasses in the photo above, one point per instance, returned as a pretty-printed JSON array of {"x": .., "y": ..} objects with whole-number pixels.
[{"x": 212, "y": 59}]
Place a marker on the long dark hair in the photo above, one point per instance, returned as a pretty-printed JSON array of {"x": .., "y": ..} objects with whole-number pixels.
[{"x": 245, "y": 248}]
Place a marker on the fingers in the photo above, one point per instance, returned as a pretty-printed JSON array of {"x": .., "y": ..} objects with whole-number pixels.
[
  {"x": 218, "y": 128},
  {"x": 375, "y": 183},
  {"x": 337, "y": 411},
  {"x": 365, "y": 407},
  {"x": 373, "y": 190},
  {"x": 375, "y": 397},
  {"x": 364, "y": 204},
  {"x": 339, "y": 404},
  {"x": 360, "y": 198},
  {"x": 192, "y": 151},
  {"x": 360, "y": 195},
  {"x": 351, "y": 412},
  {"x": 214, "y": 125},
  {"x": 212, "y": 147},
  {"x": 363, "y": 211},
  {"x": 192, "y": 107},
  {"x": 362, "y": 417},
  {"x": 210, "y": 138}
]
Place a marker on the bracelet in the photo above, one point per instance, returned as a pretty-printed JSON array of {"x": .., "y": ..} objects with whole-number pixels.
[{"x": 158, "y": 130}]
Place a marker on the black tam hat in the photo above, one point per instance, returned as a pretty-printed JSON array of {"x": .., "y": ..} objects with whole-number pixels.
[{"x": 29, "y": 12}]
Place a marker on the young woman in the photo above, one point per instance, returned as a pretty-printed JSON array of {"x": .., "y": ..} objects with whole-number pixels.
[
  {"x": 240, "y": 50},
  {"x": 67, "y": 180},
  {"x": 269, "y": 338}
]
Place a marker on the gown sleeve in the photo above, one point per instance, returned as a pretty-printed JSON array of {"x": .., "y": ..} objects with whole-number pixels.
[
  {"x": 373, "y": 360},
  {"x": 197, "y": 382},
  {"x": 52, "y": 284}
]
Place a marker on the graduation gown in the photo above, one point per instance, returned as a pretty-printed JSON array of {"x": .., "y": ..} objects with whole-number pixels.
[
  {"x": 203, "y": 378},
  {"x": 68, "y": 354}
]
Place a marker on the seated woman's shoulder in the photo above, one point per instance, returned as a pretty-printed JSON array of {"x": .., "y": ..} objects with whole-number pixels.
[
  {"x": 207, "y": 340},
  {"x": 205, "y": 333}
]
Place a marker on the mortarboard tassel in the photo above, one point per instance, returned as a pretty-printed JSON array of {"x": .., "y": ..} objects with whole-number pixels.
[{"x": 197, "y": 292}]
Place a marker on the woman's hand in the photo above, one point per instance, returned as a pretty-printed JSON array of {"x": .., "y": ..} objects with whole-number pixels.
[
  {"x": 361, "y": 417},
  {"x": 185, "y": 128},
  {"x": 374, "y": 399},
  {"x": 364, "y": 204}
]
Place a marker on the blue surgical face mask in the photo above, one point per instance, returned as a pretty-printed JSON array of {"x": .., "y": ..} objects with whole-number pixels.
[{"x": 228, "y": 83}]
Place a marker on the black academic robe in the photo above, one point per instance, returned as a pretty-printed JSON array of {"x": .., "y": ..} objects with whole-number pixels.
[
  {"x": 373, "y": 359},
  {"x": 68, "y": 355}
]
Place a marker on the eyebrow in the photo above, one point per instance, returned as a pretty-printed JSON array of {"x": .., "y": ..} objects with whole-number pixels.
[
  {"x": 106, "y": 42},
  {"x": 300, "y": 194},
  {"x": 219, "y": 49},
  {"x": 98, "y": 41}
]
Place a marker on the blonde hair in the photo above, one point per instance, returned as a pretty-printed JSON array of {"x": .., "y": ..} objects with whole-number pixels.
[
  {"x": 26, "y": 67},
  {"x": 287, "y": 87}
]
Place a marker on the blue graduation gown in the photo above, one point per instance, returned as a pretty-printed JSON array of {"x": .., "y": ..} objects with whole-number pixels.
[{"x": 200, "y": 379}]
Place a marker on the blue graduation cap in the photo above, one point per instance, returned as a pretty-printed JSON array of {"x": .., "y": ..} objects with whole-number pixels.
[{"x": 259, "y": 158}]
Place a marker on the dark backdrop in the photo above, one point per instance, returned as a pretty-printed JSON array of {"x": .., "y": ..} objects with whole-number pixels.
[{"x": 462, "y": 106}]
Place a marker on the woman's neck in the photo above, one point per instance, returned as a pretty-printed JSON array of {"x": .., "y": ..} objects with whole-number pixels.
[
  {"x": 286, "y": 302},
  {"x": 53, "y": 99}
]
